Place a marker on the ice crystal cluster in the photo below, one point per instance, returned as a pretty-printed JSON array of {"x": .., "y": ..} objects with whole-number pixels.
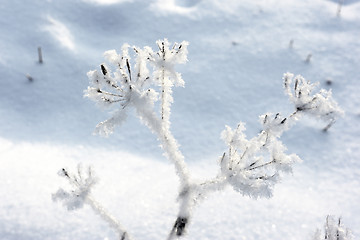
[
  {"x": 137, "y": 87},
  {"x": 143, "y": 79},
  {"x": 81, "y": 188}
]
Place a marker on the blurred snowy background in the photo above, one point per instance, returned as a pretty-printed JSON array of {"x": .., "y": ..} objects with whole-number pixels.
[{"x": 238, "y": 53}]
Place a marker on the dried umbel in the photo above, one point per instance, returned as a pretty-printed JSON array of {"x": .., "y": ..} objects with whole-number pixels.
[{"x": 137, "y": 86}]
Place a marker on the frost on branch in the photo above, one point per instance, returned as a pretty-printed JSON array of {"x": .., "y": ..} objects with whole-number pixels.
[
  {"x": 333, "y": 230},
  {"x": 320, "y": 105},
  {"x": 125, "y": 86},
  {"x": 81, "y": 187},
  {"x": 252, "y": 166}
]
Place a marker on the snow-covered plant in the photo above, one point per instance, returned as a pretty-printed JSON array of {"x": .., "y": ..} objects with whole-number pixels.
[
  {"x": 320, "y": 105},
  {"x": 81, "y": 183},
  {"x": 80, "y": 194},
  {"x": 252, "y": 167},
  {"x": 333, "y": 230}
]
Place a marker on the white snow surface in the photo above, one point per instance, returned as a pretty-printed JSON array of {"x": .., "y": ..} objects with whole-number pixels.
[{"x": 238, "y": 53}]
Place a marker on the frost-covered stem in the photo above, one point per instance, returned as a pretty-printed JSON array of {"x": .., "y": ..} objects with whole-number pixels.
[
  {"x": 189, "y": 198},
  {"x": 98, "y": 209},
  {"x": 165, "y": 92},
  {"x": 168, "y": 144},
  {"x": 163, "y": 83},
  {"x": 165, "y": 103},
  {"x": 333, "y": 230},
  {"x": 209, "y": 186},
  {"x": 172, "y": 152},
  {"x": 212, "y": 185},
  {"x": 163, "y": 96}
]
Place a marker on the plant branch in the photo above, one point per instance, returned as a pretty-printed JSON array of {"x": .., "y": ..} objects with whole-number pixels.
[
  {"x": 107, "y": 217},
  {"x": 80, "y": 195}
]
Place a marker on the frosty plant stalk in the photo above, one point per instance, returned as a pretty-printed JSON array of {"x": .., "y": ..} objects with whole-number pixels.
[
  {"x": 251, "y": 166},
  {"x": 333, "y": 230}
]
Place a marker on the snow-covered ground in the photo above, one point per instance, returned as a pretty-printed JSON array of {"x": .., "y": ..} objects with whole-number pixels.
[{"x": 237, "y": 54}]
